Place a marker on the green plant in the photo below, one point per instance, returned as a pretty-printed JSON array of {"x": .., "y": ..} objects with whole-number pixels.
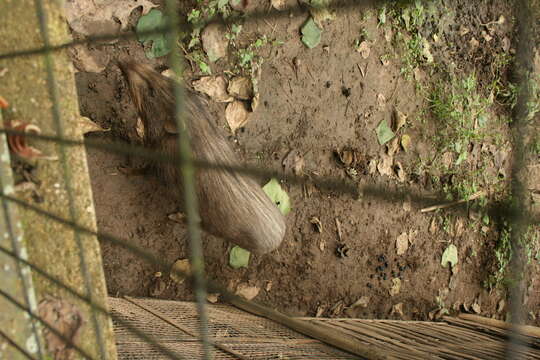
[
  {"x": 533, "y": 103},
  {"x": 247, "y": 58},
  {"x": 529, "y": 242},
  {"x": 460, "y": 113},
  {"x": 503, "y": 254}
]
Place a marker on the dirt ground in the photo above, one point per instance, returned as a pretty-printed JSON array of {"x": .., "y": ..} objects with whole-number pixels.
[{"x": 327, "y": 100}]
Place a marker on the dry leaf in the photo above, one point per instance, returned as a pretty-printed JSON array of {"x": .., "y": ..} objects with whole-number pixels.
[
  {"x": 322, "y": 244},
  {"x": 385, "y": 165},
  {"x": 67, "y": 320},
  {"x": 293, "y": 162},
  {"x": 372, "y": 166},
  {"x": 246, "y": 291},
  {"x": 236, "y": 115},
  {"x": 180, "y": 270},
  {"x": 337, "y": 308},
  {"x": 212, "y": 298},
  {"x": 433, "y": 226},
  {"x": 392, "y": 147},
  {"x": 399, "y": 119},
  {"x": 241, "y": 88},
  {"x": 397, "y": 309},
  {"x": 505, "y": 44},
  {"x": 88, "y": 60},
  {"x": 268, "y": 286},
  {"x": 362, "y": 302},
  {"x": 214, "y": 41},
  {"x": 406, "y": 142},
  {"x": 91, "y": 17},
  {"x": 139, "y": 128},
  {"x": 316, "y": 224},
  {"x": 255, "y": 102},
  {"x": 320, "y": 310},
  {"x": 501, "y": 305},
  {"x": 171, "y": 75},
  {"x": 396, "y": 286},
  {"x": 279, "y": 4},
  {"x": 402, "y": 243},
  {"x": 381, "y": 100},
  {"x": 213, "y": 86},
  {"x": 348, "y": 157},
  {"x": 459, "y": 227},
  {"x": 177, "y": 217},
  {"x": 364, "y": 49},
  {"x": 476, "y": 307},
  {"x": 86, "y": 126},
  {"x": 419, "y": 75},
  {"x": 407, "y": 206}
]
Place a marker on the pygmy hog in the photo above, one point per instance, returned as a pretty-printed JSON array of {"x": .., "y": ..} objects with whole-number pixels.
[{"x": 232, "y": 206}]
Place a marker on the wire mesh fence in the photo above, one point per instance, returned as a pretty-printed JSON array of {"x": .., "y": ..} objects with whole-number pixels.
[{"x": 201, "y": 339}]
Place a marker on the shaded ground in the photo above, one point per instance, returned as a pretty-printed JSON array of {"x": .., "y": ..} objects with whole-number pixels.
[{"x": 327, "y": 100}]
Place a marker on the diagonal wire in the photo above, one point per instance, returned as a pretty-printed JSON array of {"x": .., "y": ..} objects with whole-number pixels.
[
  {"x": 19, "y": 348},
  {"x": 49, "y": 327},
  {"x": 294, "y": 10},
  {"x": 96, "y": 306},
  {"x": 139, "y": 252},
  {"x": 25, "y": 278},
  {"x": 117, "y": 147},
  {"x": 322, "y": 182},
  {"x": 53, "y": 93}
]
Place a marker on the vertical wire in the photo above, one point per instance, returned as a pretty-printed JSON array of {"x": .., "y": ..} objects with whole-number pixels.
[
  {"x": 188, "y": 177},
  {"x": 26, "y": 280},
  {"x": 519, "y": 214},
  {"x": 53, "y": 93},
  {"x": 19, "y": 348}
]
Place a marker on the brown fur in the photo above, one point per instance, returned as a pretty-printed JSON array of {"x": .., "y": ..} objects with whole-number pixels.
[{"x": 232, "y": 206}]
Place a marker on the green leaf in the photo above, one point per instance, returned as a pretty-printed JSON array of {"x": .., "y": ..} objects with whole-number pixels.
[
  {"x": 194, "y": 16},
  {"x": 406, "y": 18},
  {"x": 278, "y": 196},
  {"x": 450, "y": 255},
  {"x": 384, "y": 133},
  {"x": 238, "y": 257},
  {"x": 149, "y": 22},
  {"x": 462, "y": 157},
  {"x": 311, "y": 34},
  {"x": 236, "y": 28},
  {"x": 382, "y": 16},
  {"x": 204, "y": 67}
]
